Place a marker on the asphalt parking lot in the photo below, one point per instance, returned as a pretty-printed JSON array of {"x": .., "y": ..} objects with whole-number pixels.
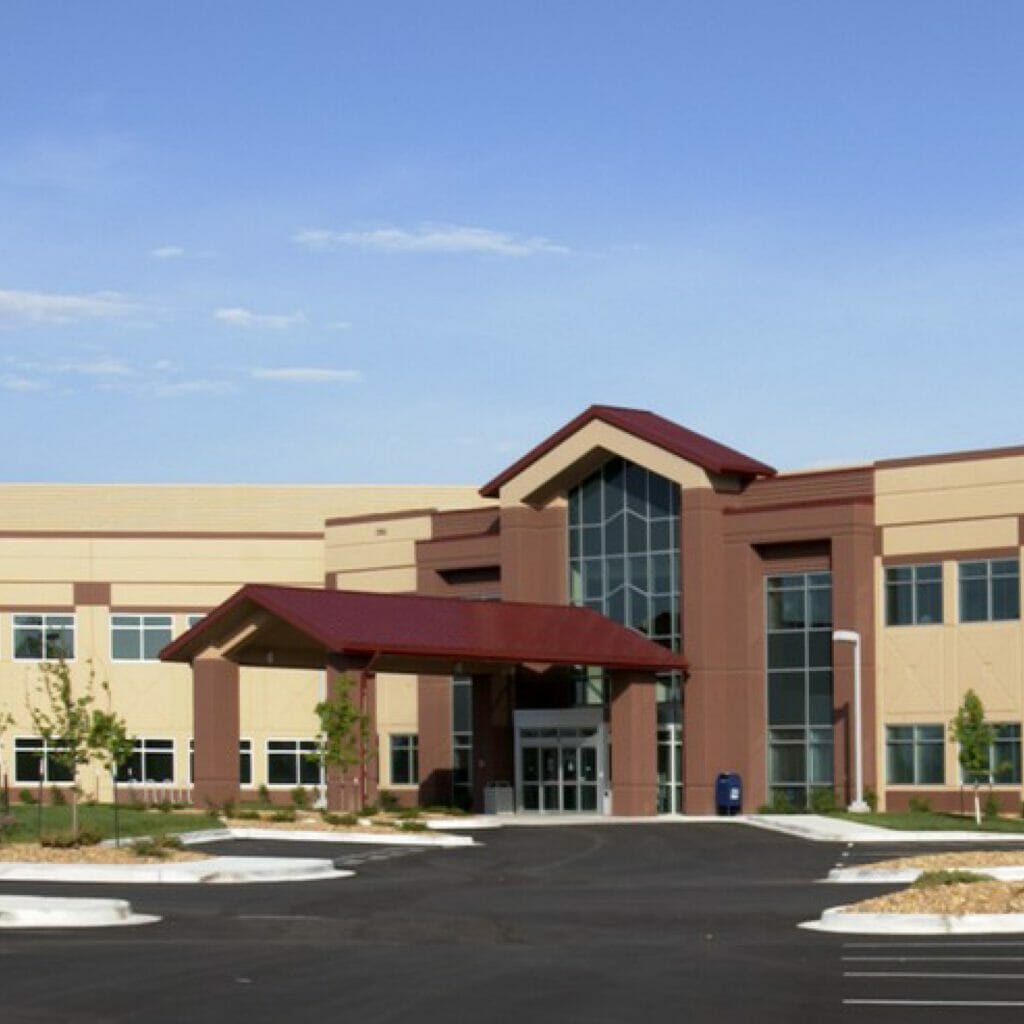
[{"x": 609, "y": 923}]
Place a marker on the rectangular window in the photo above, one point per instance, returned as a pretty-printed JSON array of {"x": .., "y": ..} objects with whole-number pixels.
[
  {"x": 289, "y": 763},
  {"x": 1004, "y": 765},
  {"x": 913, "y": 595},
  {"x": 405, "y": 768},
  {"x": 43, "y": 637},
  {"x": 244, "y": 762},
  {"x": 915, "y": 755},
  {"x": 32, "y": 753},
  {"x": 139, "y": 637},
  {"x": 990, "y": 590},
  {"x": 152, "y": 761},
  {"x": 462, "y": 742}
]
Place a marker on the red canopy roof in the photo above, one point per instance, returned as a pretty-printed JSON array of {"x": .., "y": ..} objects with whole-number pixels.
[
  {"x": 432, "y": 629},
  {"x": 687, "y": 444}
]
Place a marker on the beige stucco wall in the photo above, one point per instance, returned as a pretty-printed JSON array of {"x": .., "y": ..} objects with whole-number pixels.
[
  {"x": 174, "y": 550},
  {"x": 947, "y": 509}
]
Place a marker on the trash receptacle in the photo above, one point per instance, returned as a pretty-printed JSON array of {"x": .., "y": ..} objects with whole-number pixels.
[
  {"x": 499, "y": 798},
  {"x": 728, "y": 793}
]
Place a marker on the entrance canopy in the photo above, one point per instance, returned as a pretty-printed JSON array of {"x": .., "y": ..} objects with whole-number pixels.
[{"x": 294, "y": 627}]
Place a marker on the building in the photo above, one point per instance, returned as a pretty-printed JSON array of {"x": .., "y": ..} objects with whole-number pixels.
[{"x": 738, "y": 575}]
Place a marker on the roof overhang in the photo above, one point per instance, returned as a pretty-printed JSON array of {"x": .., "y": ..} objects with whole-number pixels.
[{"x": 294, "y": 627}]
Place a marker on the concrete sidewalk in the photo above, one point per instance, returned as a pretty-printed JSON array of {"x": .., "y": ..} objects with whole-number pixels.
[{"x": 821, "y": 829}]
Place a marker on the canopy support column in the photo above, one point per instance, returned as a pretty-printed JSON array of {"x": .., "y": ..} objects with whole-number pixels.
[
  {"x": 353, "y": 789},
  {"x": 634, "y": 730},
  {"x": 493, "y": 736},
  {"x": 216, "y": 731}
]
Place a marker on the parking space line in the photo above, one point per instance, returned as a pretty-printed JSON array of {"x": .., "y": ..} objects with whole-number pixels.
[
  {"x": 939, "y": 944},
  {"x": 934, "y": 959},
  {"x": 961, "y": 976},
  {"x": 934, "y": 1002}
]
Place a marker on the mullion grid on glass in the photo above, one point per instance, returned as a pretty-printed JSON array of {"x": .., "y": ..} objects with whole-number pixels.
[{"x": 785, "y": 594}]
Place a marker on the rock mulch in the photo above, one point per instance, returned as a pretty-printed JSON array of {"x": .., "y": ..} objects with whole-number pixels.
[
  {"x": 315, "y": 823},
  {"x": 968, "y": 859},
  {"x": 963, "y": 898},
  {"x": 36, "y": 854}
]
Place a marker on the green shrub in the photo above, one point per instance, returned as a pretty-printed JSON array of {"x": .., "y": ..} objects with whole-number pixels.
[
  {"x": 248, "y": 814},
  {"x": 227, "y": 809},
  {"x": 57, "y": 797},
  {"x": 68, "y": 840},
  {"x": 158, "y": 846},
  {"x": 340, "y": 819},
  {"x": 8, "y": 823},
  {"x": 164, "y": 807},
  {"x": 823, "y": 801},
  {"x": 283, "y": 814},
  {"x": 932, "y": 879},
  {"x": 263, "y": 795},
  {"x": 919, "y": 805},
  {"x": 780, "y": 803},
  {"x": 410, "y": 825},
  {"x": 369, "y": 811},
  {"x": 388, "y": 801},
  {"x": 990, "y": 808},
  {"x": 449, "y": 811},
  {"x": 871, "y": 799},
  {"x": 409, "y": 812},
  {"x": 26, "y": 796},
  {"x": 300, "y": 797}
]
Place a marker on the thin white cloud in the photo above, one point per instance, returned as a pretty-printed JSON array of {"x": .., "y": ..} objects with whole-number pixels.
[
  {"x": 340, "y": 325},
  {"x": 167, "y": 252},
  {"x": 236, "y": 316},
  {"x": 308, "y": 375},
  {"x": 24, "y": 307},
  {"x": 436, "y": 238},
  {"x": 23, "y": 384},
  {"x": 195, "y": 387}
]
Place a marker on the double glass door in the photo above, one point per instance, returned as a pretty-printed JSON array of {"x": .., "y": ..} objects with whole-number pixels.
[{"x": 560, "y": 761}]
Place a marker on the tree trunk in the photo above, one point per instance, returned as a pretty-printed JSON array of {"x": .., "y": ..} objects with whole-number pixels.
[{"x": 977, "y": 808}]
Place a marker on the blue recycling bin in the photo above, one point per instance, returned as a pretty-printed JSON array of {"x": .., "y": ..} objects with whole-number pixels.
[{"x": 728, "y": 793}]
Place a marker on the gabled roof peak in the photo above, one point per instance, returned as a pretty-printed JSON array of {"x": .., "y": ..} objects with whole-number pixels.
[{"x": 648, "y": 426}]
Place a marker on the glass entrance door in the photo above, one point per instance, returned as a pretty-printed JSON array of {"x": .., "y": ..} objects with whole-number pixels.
[
  {"x": 670, "y": 768},
  {"x": 560, "y": 767}
]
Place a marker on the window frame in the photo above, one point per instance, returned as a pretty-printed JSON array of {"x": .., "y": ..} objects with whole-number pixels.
[
  {"x": 142, "y": 625},
  {"x": 988, "y": 578},
  {"x": 45, "y": 751},
  {"x": 991, "y": 778},
  {"x": 915, "y": 585},
  {"x": 43, "y": 616},
  {"x": 406, "y": 746},
  {"x": 299, "y": 756},
  {"x": 144, "y": 751},
  {"x": 916, "y": 742}
]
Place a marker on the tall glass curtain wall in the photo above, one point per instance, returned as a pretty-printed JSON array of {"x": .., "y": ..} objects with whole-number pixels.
[
  {"x": 799, "y": 667},
  {"x": 624, "y": 562}
]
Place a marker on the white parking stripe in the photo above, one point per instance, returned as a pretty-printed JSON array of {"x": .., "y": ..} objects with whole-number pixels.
[
  {"x": 934, "y": 959},
  {"x": 933, "y": 1002},
  {"x": 927, "y": 974},
  {"x": 932, "y": 945}
]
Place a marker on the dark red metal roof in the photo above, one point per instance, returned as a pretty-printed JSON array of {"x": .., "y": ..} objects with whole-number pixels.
[
  {"x": 410, "y": 626},
  {"x": 687, "y": 444}
]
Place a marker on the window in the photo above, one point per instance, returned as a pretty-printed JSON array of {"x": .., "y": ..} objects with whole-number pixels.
[
  {"x": 44, "y": 637},
  {"x": 289, "y": 763},
  {"x": 462, "y": 742},
  {"x": 913, "y": 595},
  {"x": 405, "y": 768},
  {"x": 990, "y": 590},
  {"x": 914, "y": 754},
  {"x": 139, "y": 637},
  {"x": 244, "y": 762},
  {"x": 798, "y": 635},
  {"x": 1004, "y": 766},
  {"x": 33, "y": 752},
  {"x": 194, "y": 619},
  {"x": 151, "y": 761}
]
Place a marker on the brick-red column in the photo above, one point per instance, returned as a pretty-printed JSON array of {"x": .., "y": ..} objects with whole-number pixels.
[
  {"x": 216, "y": 730},
  {"x": 434, "y": 695},
  {"x": 493, "y": 736},
  {"x": 634, "y": 732}
]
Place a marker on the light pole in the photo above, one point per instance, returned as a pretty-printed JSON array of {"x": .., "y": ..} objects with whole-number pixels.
[{"x": 851, "y": 636}]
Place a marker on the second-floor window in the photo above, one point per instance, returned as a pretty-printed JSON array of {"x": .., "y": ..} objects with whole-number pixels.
[
  {"x": 139, "y": 637},
  {"x": 990, "y": 590},
  {"x": 44, "y": 637},
  {"x": 913, "y": 595}
]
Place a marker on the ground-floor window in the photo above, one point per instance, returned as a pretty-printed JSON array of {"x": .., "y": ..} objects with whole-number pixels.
[
  {"x": 405, "y": 758},
  {"x": 151, "y": 761},
  {"x": 1004, "y": 763},
  {"x": 670, "y": 768},
  {"x": 914, "y": 755},
  {"x": 244, "y": 762},
  {"x": 33, "y": 754},
  {"x": 293, "y": 763}
]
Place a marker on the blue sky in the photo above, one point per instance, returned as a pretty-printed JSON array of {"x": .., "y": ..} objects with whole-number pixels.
[{"x": 402, "y": 242}]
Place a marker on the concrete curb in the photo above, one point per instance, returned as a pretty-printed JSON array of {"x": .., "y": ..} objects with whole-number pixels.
[
  {"x": 877, "y": 876},
  {"x": 820, "y": 829},
  {"x": 215, "y": 870},
  {"x": 57, "y": 912},
  {"x": 315, "y": 836},
  {"x": 470, "y": 822},
  {"x": 839, "y": 919}
]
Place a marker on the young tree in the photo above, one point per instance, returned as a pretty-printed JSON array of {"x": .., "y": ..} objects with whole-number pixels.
[
  {"x": 344, "y": 730},
  {"x": 975, "y": 735},
  {"x": 64, "y": 721},
  {"x": 6, "y": 722},
  {"x": 110, "y": 742}
]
